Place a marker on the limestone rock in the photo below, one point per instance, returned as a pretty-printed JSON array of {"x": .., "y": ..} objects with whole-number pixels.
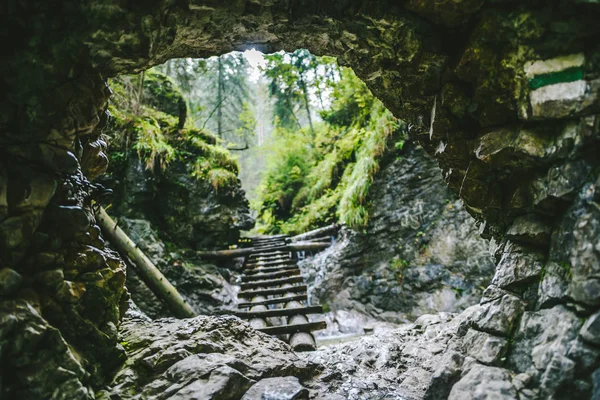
[
  {"x": 499, "y": 316},
  {"x": 485, "y": 348},
  {"x": 37, "y": 361},
  {"x": 284, "y": 388},
  {"x": 518, "y": 264},
  {"x": 483, "y": 382},
  {"x": 425, "y": 256},
  {"x": 540, "y": 335},
  {"x": 202, "y": 357},
  {"x": 590, "y": 331},
  {"x": 10, "y": 280},
  {"x": 530, "y": 229}
]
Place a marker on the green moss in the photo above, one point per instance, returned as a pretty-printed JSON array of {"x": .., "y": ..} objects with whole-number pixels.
[{"x": 155, "y": 135}]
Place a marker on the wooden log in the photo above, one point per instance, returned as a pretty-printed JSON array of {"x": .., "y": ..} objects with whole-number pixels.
[
  {"x": 227, "y": 254},
  {"x": 301, "y": 341},
  {"x": 271, "y": 275},
  {"x": 316, "y": 233},
  {"x": 248, "y": 294},
  {"x": 253, "y": 271},
  {"x": 278, "y": 312},
  {"x": 256, "y": 321},
  {"x": 275, "y": 300},
  {"x": 307, "y": 327},
  {"x": 271, "y": 282},
  {"x": 152, "y": 277}
]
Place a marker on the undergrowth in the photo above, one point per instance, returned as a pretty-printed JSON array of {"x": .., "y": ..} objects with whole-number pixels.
[
  {"x": 314, "y": 181},
  {"x": 154, "y": 133}
]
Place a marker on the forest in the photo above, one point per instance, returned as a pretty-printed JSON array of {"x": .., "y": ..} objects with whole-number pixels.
[{"x": 307, "y": 134}]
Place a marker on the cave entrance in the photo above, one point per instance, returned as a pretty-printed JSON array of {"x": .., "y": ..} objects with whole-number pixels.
[{"x": 312, "y": 146}]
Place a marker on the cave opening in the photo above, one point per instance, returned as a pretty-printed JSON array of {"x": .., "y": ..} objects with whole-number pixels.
[{"x": 502, "y": 96}]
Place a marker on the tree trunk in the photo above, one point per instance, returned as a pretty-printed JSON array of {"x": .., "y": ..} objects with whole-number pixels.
[
  {"x": 306, "y": 105},
  {"x": 220, "y": 99},
  {"x": 140, "y": 92},
  {"x": 151, "y": 275}
]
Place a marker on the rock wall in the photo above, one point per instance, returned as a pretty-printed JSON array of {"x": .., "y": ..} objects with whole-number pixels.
[
  {"x": 420, "y": 253},
  {"x": 503, "y": 94}
]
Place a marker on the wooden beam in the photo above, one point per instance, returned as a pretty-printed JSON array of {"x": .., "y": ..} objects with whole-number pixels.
[
  {"x": 316, "y": 233},
  {"x": 271, "y": 282},
  {"x": 227, "y": 254},
  {"x": 286, "y": 329},
  {"x": 272, "y": 275},
  {"x": 248, "y": 294},
  {"x": 150, "y": 275},
  {"x": 252, "y": 271},
  {"x": 276, "y": 300},
  {"x": 279, "y": 312}
]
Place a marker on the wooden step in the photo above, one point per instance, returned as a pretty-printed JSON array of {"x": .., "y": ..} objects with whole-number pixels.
[
  {"x": 279, "y": 312},
  {"x": 272, "y": 275},
  {"x": 275, "y": 300},
  {"x": 294, "y": 328},
  {"x": 274, "y": 252},
  {"x": 254, "y": 271},
  {"x": 248, "y": 294},
  {"x": 271, "y": 263},
  {"x": 271, "y": 282}
]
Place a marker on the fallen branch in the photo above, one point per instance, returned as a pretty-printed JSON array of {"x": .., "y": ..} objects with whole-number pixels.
[{"x": 152, "y": 277}]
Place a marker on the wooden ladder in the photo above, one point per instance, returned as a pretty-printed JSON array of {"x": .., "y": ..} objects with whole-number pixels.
[{"x": 273, "y": 296}]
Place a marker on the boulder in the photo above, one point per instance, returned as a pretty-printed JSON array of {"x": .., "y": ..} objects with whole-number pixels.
[{"x": 283, "y": 388}]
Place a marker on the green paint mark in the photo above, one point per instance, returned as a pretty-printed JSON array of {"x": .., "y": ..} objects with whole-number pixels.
[{"x": 566, "y": 75}]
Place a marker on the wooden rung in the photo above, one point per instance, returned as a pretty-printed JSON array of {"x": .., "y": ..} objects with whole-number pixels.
[
  {"x": 272, "y": 275},
  {"x": 248, "y": 294},
  {"x": 276, "y": 300},
  {"x": 271, "y": 282},
  {"x": 294, "y": 328},
  {"x": 276, "y": 251},
  {"x": 270, "y": 263},
  {"x": 254, "y": 271},
  {"x": 279, "y": 312}
]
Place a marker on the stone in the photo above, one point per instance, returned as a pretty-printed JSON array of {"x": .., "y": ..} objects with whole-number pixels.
[
  {"x": 445, "y": 375},
  {"x": 559, "y": 371},
  {"x": 50, "y": 279},
  {"x": 10, "y": 281},
  {"x": 41, "y": 363},
  {"x": 203, "y": 358},
  {"x": 484, "y": 383},
  {"x": 499, "y": 316},
  {"x": 485, "y": 348},
  {"x": 590, "y": 331},
  {"x": 520, "y": 381},
  {"x": 223, "y": 383},
  {"x": 564, "y": 99},
  {"x": 70, "y": 292},
  {"x": 530, "y": 229},
  {"x": 518, "y": 265},
  {"x": 596, "y": 384},
  {"x": 585, "y": 356},
  {"x": 281, "y": 388},
  {"x": 540, "y": 336}
]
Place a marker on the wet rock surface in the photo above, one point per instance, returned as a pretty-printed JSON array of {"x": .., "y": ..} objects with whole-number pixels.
[
  {"x": 420, "y": 253},
  {"x": 206, "y": 358}
]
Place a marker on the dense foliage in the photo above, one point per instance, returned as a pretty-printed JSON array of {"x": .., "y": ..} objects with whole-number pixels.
[
  {"x": 315, "y": 179},
  {"x": 313, "y": 135},
  {"x": 146, "y": 117}
]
